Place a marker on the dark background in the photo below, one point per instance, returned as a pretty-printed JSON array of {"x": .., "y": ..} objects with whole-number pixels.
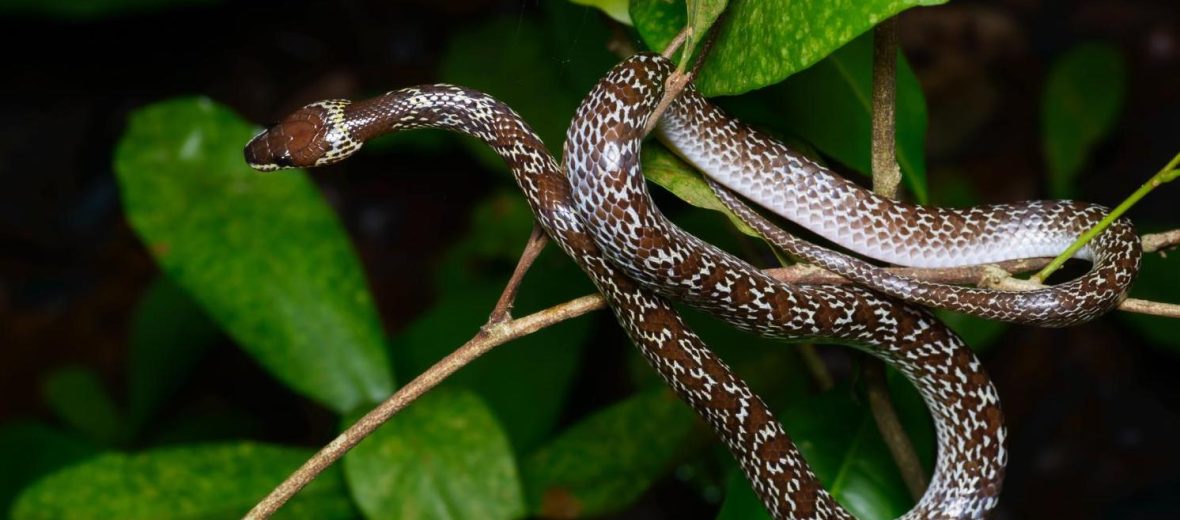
[{"x": 1092, "y": 409}]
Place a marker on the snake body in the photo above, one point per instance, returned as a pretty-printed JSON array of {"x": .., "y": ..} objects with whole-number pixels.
[
  {"x": 602, "y": 155},
  {"x": 633, "y": 255},
  {"x": 772, "y": 175}
]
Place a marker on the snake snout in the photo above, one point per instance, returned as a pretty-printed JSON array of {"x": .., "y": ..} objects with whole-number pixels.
[
  {"x": 261, "y": 156},
  {"x": 298, "y": 141}
]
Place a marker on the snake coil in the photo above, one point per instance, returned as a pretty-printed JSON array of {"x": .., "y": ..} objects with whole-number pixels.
[{"x": 602, "y": 216}]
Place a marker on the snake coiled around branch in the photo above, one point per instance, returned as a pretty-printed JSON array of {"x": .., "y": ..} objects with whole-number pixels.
[
  {"x": 771, "y": 174},
  {"x": 608, "y": 226}
]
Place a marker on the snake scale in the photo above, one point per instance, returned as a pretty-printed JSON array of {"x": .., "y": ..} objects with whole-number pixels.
[
  {"x": 601, "y": 215},
  {"x": 738, "y": 157}
]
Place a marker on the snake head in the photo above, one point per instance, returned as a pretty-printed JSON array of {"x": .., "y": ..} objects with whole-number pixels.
[{"x": 315, "y": 135}]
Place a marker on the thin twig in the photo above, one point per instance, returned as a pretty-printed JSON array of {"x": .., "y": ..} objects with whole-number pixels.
[
  {"x": 895, "y": 437},
  {"x": 487, "y": 339},
  {"x": 1166, "y": 174},
  {"x": 886, "y": 174},
  {"x": 999, "y": 276},
  {"x": 1167, "y": 310},
  {"x": 503, "y": 309},
  {"x": 886, "y": 178},
  {"x": 1160, "y": 241},
  {"x": 816, "y": 367},
  {"x": 675, "y": 43},
  {"x": 679, "y": 79},
  {"x": 815, "y": 275}
]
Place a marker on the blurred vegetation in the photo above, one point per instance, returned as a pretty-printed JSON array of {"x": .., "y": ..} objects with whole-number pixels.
[{"x": 264, "y": 260}]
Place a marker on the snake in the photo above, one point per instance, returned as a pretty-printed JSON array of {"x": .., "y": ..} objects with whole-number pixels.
[
  {"x": 736, "y": 158},
  {"x": 595, "y": 207}
]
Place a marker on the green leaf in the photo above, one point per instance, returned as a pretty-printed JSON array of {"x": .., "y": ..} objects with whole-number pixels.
[
  {"x": 673, "y": 174},
  {"x": 616, "y": 9},
  {"x": 442, "y": 457},
  {"x": 1080, "y": 104},
  {"x": 1157, "y": 282},
  {"x": 606, "y": 461},
  {"x": 764, "y": 41},
  {"x": 701, "y": 16},
  {"x": 830, "y": 106},
  {"x": 524, "y": 383},
  {"x": 30, "y": 450},
  {"x": 263, "y": 254},
  {"x": 169, "y": 334},
  {"x": 188, "y": 482},
  {"x": 90, "y": 9},
  {"x": 79, "y": 398}
]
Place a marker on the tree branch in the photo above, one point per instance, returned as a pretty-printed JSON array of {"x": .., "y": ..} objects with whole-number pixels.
[
  {"x": 886, "y": 178},
  {"x": 503, "y": 309},
  {"x": 999, "y": 275},
  {"x": 488, "y": 338},
  {"x": 894, "y": 435},
  {"x": 886, "y": 173},
  {"x": 1160, "y": 241}
]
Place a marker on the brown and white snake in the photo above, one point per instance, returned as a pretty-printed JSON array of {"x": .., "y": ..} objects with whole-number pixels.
[{"x": 601, "y": 215}]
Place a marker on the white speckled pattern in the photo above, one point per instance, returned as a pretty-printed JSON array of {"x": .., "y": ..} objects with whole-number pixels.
[
  {"x": 770, "y": 174},
  {"x": 604, "y": 141},
  {"x": 602, "y": 156}
]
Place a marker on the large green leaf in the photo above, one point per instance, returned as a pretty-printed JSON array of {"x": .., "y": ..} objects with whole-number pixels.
[
  {"x": 764, "y": 41},
  {"x": 81, "y": 400},
  {"x": 608, "y": 460},
  {"x": 1080, "y": 104},
  {"x": 30, "y": 450},
  {"x": 263, "y": 254},
  {"x": 702, "y": 14},
  {"x": 169, "y": 334},
  {"x": 189, "y": 482},
  {"x": 442, "y": 457}
]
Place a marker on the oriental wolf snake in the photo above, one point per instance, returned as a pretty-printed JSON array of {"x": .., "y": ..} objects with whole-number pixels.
[{"x": 599, "y": 212}]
